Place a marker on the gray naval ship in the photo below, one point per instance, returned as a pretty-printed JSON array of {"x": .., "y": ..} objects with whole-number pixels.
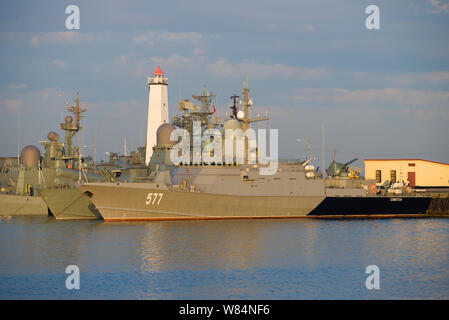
[
  {"x": 61, "y": 196},
  {"x": 19, "y": 177},
  {"x": 223, "y": 190},
  {"x": 35, "y": 185}
]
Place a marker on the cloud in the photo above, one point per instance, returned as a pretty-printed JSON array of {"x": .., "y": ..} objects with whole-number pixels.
[
  {"x": 152, "y": 38},
  {"x": 119, "y": 109},
  {"x": 419, "y": 78},
  {"x": 45, "y": 100},
  {"x": 222, "y": 67},
  {"x": 14, "y": 86},
  {"x": 139, "y": 67},
  {"x": 422, "y": 104},
  {"x": 176, "y": 41},
  {"x": 59, "y": 63},
  {"x": 10, "y": 104},
  {"x": 66, "y": 38},
  {"x": 438, "y": 6}
]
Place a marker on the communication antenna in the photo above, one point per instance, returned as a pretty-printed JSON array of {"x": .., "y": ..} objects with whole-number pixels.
[
  {"x": 235, "y": 100},
  {"x": 95, "y": 147},
  {"x": 72, "y": 126},
  {"x": 322, "y": 150},
  {"x": 124, "y": 146},
  {"x": 205, "y": 99},
  {"x": 18, "y": 139}
]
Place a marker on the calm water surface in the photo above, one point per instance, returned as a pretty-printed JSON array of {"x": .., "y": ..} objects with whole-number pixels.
[{"x": 242, "y": 259}]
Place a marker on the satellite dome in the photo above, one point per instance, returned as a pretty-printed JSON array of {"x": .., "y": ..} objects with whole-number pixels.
[
  {"x": 232, "y": 124},
  {"x": 68, "y": 119},
  {"x": 30, "y": 156},
  {"x": 53, "y": 136},
  {"x": 163, "y": 135}
]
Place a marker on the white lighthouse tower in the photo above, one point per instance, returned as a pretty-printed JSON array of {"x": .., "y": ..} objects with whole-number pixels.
[{"x": 157, "y": 108}]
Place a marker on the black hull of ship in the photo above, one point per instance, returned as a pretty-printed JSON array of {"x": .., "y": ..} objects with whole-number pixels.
[{"x": 376, "y": 206}]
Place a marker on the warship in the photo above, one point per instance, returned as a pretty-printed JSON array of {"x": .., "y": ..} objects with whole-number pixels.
[
  {"x": 36, "y": 185},
  {"x": 61, "y": 196},
  {"x": 19, "y": 181},
  {"x": 17, "y": 194},
  {"x": 191, "y": 190}
]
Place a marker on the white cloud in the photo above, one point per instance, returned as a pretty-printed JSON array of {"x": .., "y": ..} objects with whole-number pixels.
[
  {"x": 423, "y": 104},
  {"x": 10, "y": 104},
  {"x": 59, "y": 63},
  {"x": 139, "y": 67},
  {"x": 419, "y": 78},
  {"x": 223, "y": 68},
  {"x": 152, "y": 38},
  {"x": 46, "y": 100},
  {"x": 14, "y": 86},
  {"x": 65, "y": 37}
]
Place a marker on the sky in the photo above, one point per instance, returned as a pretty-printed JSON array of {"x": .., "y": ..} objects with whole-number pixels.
[{"x": 380, "y": 93}]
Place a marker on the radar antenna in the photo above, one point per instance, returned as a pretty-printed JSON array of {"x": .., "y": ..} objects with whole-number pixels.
[
  {"x": 205, "y": 99},
  {"x": 234, "y": 106},
  {"x": 71, "y": 127}
]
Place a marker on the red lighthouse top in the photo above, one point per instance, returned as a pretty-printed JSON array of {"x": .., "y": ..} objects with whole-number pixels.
[{"x": 158, "y": 71}]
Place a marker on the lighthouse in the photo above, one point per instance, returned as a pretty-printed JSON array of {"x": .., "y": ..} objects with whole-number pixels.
[{"x": 157, "y": 108}]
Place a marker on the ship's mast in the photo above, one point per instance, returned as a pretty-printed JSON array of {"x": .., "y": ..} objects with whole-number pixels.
[
  {"x": 71, "y": 128},
  {"x": 191, "y": 112},
  {"x": 206, "y": 99},
  {"x": 246, "y": 120},
  {"x": 234, "y": 107}
]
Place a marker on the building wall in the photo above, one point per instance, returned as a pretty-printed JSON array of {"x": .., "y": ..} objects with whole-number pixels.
[{"x": 427, "y": 173}]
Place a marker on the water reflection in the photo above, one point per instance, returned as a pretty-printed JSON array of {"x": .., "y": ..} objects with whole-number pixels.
[{"x": 244, "y": 258}]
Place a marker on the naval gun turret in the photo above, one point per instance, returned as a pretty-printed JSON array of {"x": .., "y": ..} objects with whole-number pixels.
[{"x": 337, "y": 169}]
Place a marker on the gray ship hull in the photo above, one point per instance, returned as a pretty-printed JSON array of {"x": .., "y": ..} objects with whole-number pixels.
[
  {"x": 142, "y": 201},
  {"x": 146, "y": 202},
  {"x": 68, "y": 203},
  {"x": 14, "y": 205}
]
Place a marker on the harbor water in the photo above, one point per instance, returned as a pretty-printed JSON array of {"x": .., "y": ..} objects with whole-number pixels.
[{"x": 233, "y": 259}]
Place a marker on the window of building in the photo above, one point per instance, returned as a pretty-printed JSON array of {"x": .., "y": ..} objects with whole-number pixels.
[
  {"x": 393, "y": 176},
  {"x": 411, "y": 164},
  {"x": 378, "y": 176}
]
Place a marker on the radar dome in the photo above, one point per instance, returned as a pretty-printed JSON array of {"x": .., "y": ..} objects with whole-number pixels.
[
  {"x": 232, "y": 124},
  {"x": 53, "y": 136},
  {"x": 163, "y": 135},
  {"x": 68, "y": 119},
  {"x": 30, "y": 156}
]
